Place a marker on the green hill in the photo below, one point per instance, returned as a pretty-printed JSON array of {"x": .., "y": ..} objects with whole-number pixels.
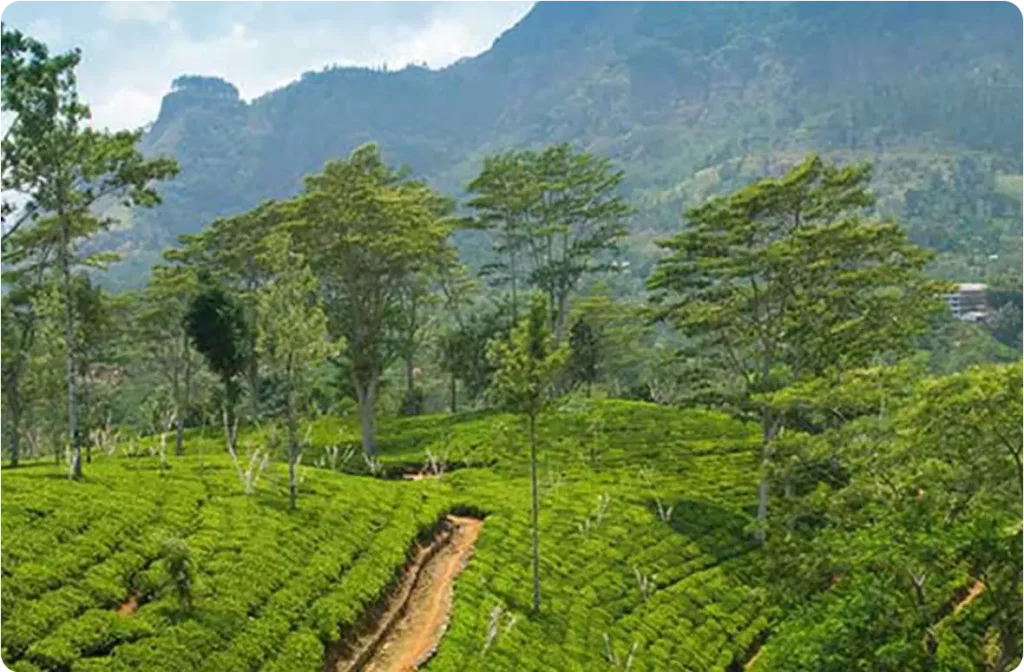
[
  {"x": 689, "y": 98},
  {"x": 273, "y": 589}
]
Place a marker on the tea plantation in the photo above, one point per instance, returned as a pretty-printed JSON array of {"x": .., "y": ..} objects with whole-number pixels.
[{"x": 624, "y": 578}]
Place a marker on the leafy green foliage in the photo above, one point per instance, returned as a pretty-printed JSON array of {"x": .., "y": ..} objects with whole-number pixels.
[
  {"x": 585, "y": 356},
  {"x": 366, "y": 230},
  {"x": 880, "y": 555},
  {"x": 272, "y": 587},
  {"x": 784, "y": 281},
  {"x": 260, "y": 576},
  {"x": 556, "y": 214},
  {"x": 178, "y": 564},
  {"x": 527, "y": 366},
  {"x": 218, "y": 329}
]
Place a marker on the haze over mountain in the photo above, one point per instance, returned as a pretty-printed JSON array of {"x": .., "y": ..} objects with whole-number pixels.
[{"x": 688, "y": 98}]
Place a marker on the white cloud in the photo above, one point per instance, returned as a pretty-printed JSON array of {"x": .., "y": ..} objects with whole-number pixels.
[
  {"x": 443, "y": 42},
  {"x": 126, "y": 108},
  {"x": 150, "y": 12}
]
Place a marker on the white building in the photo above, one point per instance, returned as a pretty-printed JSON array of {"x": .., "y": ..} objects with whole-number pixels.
[{"x": 969, "y": 303}]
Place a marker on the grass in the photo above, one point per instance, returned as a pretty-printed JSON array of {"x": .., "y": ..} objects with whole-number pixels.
[{"x": 623, "y": 583}]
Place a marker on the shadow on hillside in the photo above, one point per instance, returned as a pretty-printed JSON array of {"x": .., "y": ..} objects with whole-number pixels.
[{"x": 717, "y": 530}]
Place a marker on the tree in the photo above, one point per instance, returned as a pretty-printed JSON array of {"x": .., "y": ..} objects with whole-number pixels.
[
  {"x": 216, "y": 324},
  {"x": 31, "y": 98},
  {"x": 578, "y": 219},
  {"x": 585, "y": 354},
  {"x": 558, "y": 210},
  {"x": 526, "y": 368},
  {"x": 180, "y": 570},
  {"x": 458, "y": 288},
  {"x": 41, "y": 384},
  {"x": 504, "y": 193},
  {"x": 162, "y": 333},
  {"x": 232, "y": 249},
  {"x": 784, "y": 280},
  {"x": 63, "y": 169},
  {"x": 917, "y": 515},
  {"x": 415, "y": 300},
  {"x": 99, "y": 351},
  {"x": 464, "y": 348},
  {"x": 366, "y": 230},
  {"x": 19, "y": 320},
  {"x": 292, "y": 333}
]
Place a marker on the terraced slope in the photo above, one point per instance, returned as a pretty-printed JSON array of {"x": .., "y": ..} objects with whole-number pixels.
[
  {"x": 271, "y": 585},
  {"x": 644, "y": 551}
]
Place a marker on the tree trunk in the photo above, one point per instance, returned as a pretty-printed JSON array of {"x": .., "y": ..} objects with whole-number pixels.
[
  {"x": 179, "y": 448},
  {"x": 253, "y": 365},
  {"x": 69, "y": 345},
  {"x": 14, "y": 428},
  {"x": 515, "y": 303},
  {"x": 366, "y": 394},
  {"x": 534, "y": 513},
  {"x": 410, "y": 353},
  {"x": 768, "y": 434},
  {"x": 410, "y": 383},
  {"x": 230, "y": 396},
  {"x": 293, "y": 486},
  {"x": 454, "y": 394},
  {"x": 179, "y": 431}
]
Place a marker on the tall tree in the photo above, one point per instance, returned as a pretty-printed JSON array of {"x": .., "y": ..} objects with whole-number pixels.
[
  {"x": 31, "y": 99},
  {"x": 63, "y": 168},
  {"x": 19, "y": 320},
  {"x": 579, "y": 218},
  {"x": 585, "y": 348},
  {"x": 366, "y": 230},
  {"x": 233, "y": 250},
  {"x": 415, "y": 301},
  {"x": 458, "y": 288},
  {"x": 216, "y": 324},
  {"x": 292, "y": 331},
  {"x": 785, "y": 280},
  {"x": 917, "y": 514},
  {"x": 160, "y": 324},
  {"x": 555, "y": 213},
  {"x": 526, "y": 368},
  {"x": 100, "y": 351},
  {"x": 503, "y": 195}
]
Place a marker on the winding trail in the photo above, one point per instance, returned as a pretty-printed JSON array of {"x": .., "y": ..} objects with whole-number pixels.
[
  {"x": 412, "y": 626},
  {"x": 977, "y": 589}
]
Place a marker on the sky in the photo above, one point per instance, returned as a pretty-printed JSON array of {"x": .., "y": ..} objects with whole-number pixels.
[{"x": 132, "y": 50}]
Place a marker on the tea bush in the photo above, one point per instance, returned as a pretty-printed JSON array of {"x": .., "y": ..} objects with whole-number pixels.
[{"x": 644, "y": 548}]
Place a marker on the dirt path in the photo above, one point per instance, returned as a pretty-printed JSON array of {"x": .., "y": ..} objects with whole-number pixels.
[
  {"x": 129, "y": 606},
  {"x": 414, "y": 622},
  {"x": 753, "y": 659},
  {"x": 977, "y": 589}
]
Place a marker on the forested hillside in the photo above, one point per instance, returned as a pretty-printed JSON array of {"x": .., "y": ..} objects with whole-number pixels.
[{"x": 690, "y": 99}]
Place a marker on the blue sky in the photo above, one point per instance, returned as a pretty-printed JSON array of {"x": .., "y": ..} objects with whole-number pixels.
[{"x": 132, "y": 50}]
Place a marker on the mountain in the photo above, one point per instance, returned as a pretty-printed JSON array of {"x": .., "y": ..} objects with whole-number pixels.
[{"x": 688, "y": 98}]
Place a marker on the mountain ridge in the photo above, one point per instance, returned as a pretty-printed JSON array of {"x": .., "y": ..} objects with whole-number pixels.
[{"x": 667, "y": 90}]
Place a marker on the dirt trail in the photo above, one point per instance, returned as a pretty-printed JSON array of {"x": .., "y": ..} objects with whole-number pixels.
[
  {"x": 128, "y": 607},
  {"x": 411, "y": 628},
  {"x": 977, "y": 589}
]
